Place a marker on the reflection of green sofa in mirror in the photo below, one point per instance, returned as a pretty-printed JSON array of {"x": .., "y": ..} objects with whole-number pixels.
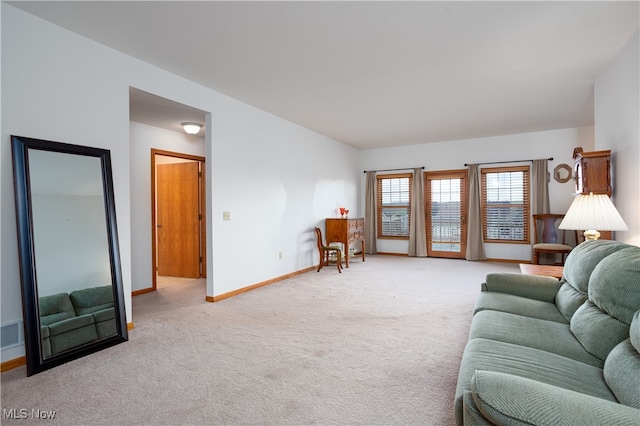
[
  {"x": 70, "y": 320},
  {"x": 97, "y": 301}
]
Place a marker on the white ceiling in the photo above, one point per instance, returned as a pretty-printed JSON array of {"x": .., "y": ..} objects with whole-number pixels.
[
  {"x": 156, "y": 111},
  {"x": 375, "y": 74}
]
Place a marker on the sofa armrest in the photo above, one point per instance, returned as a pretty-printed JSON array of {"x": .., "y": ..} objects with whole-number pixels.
[
  {"x": 504, "y": 399},
  {"x": 536, "y": 287}
]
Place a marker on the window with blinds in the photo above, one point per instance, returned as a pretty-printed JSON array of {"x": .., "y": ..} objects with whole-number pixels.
[
  {"x": 394, "y": 205},
  {"x": 505, "y": 204}
]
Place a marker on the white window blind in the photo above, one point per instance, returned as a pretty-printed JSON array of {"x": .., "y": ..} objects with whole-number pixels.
[
  {"x": 505, "y": 204},
  {"x": 394, "y": 205}
]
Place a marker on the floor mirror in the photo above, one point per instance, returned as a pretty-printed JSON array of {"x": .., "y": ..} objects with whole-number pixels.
[{"x": 72, "y": 294}]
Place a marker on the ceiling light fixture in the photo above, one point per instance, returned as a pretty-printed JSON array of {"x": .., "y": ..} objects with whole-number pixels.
[{"x": 191, "y": 128}]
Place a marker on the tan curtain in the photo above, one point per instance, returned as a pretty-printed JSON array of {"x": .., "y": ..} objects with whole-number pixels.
[
  {"x": 370, "y": 216},
  {"x": 475, "y": 245},
  {"x": 540, "y": 199},
  {"x": 417, "y": 230},
  {"x": 540, "y": 187}
]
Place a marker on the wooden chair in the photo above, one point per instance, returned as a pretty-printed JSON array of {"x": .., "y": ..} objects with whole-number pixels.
[
  {"x": 548, "y": 238},
  {"x": 324, "y": 251}
]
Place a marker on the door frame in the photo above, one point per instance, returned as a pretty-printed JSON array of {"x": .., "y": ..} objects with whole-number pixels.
[
  {"x": 202, "y": 211},
  {"x": 445, "y": 174}
]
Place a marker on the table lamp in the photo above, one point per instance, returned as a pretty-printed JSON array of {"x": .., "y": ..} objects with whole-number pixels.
[{"x": 592, "y": 212}]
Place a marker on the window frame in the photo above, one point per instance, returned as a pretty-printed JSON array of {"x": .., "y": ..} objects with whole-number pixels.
[
  {"x": 380, "y": 207},
  {"x": 526, "y": 204}
]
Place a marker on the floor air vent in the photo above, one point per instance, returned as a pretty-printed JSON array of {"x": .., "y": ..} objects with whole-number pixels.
[{"x": 12, "y": 334}]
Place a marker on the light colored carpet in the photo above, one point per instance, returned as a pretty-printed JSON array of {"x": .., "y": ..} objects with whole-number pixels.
[{"x": 378, "y": 344}]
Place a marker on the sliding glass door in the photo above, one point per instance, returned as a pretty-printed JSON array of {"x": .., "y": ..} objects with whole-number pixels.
[{"x": 446, "y": 210}]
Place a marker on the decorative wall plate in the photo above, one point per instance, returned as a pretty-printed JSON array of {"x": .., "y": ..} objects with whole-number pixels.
[{"x": 562, "y": 173}]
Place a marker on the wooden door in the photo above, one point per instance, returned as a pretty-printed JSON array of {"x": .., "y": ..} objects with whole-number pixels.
[
  {"x": 178, "y": 219},
  {"x": 446, "y": 210}
]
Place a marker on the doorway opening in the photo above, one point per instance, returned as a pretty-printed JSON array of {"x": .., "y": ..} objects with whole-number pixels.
[{"x": 178, "y": 233}]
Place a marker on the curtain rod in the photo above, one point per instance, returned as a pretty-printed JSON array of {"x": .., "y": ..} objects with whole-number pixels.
[
  {"x": 393, "y": 170},
  {"x": 514, "y": 161}
]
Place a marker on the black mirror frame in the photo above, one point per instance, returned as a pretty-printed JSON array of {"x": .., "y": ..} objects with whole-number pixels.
[{"x": 35, "y": 361}]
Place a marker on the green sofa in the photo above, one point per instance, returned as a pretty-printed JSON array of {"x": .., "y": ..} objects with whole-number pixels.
[
  {"x": 543, "y": 351},
  {"x": 71, "y": 320}
]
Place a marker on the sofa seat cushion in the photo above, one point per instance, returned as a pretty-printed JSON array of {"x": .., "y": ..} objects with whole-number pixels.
[
  {"x": 535, "y": 364},
  {"x": 70, "y": 324},
  {"x": 549, "y": 336},
  {"x": 104, "y": 315},
  {"x": 105, "y": 322},
  {"x": 71, "y": 333},
  {"x": 503, "y": 302}
]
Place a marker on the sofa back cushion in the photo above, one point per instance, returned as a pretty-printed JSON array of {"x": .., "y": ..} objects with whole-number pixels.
[
  {"x": 622, "y": 366},
  {"x": 54, "y": 308},
  {"x": 577, "y": 270},
  {"x": 90, "y": 300},
  {"x": 614, "y": 296}
]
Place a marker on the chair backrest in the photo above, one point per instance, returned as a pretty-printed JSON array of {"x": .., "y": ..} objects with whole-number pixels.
[
  {"x": 319, "y": 238},
  {"x": 545, "y": 229}
]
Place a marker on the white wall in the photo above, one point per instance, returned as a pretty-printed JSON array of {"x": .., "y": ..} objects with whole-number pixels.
[
  {"x": 71, "y": 243},
  {"x": 617, "y": 127},
  {"x": 142, "y": 139},
  {"x": 50, "y": 92},
  {"x": 277, "y": 179},
  {"x": 452, "y": 155},
  {"x": 284, "y": 183}
]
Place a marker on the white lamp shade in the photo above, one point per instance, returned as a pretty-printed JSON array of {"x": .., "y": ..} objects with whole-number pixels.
[
  {"x": 593, "y": 211},
  {"x": 191, "y": 128}
]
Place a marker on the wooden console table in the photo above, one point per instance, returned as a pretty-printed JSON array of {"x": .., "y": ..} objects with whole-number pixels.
[
  {"x": 548, "y": 270},
  {"x": 345, "y": 231}
]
